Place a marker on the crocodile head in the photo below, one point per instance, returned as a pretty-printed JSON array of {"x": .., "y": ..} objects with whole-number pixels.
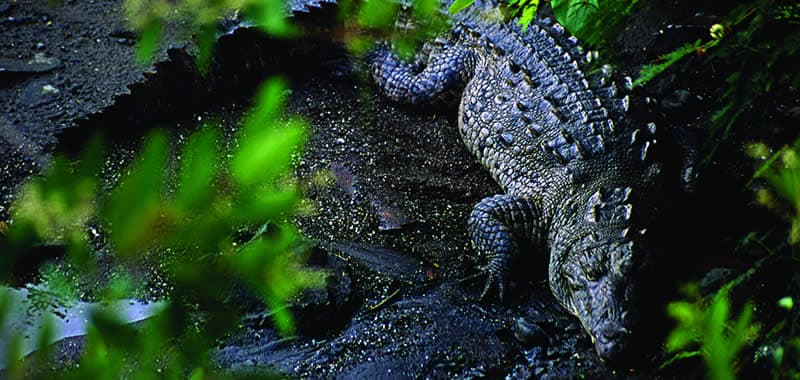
[
  {"x": 596, "y": 272},
  {"x": 601, "y": 292}
]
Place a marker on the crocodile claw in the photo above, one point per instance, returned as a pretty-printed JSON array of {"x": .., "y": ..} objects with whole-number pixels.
[{"x": 493, "y": 279}]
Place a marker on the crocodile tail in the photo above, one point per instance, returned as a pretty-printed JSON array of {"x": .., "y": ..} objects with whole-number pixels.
[{"x": 437, "y": 78}]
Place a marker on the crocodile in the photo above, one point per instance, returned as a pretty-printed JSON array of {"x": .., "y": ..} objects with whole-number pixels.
[{"x": 580, "y": 176}]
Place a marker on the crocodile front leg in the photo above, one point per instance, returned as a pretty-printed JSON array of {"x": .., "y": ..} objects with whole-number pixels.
[{"x": 498, "y": 224}]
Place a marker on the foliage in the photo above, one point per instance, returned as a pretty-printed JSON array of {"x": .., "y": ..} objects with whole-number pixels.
[
  {"x": 719, "y": 336},
  {"x": 754, "y": 44},
  {"x": 459, "y": 5},
  {"x": 525, "y": 10},
  {"x": 189, "y": 226},
  {"x": 759, "y": 45},
  {"x": 589, "y": 21},
  {"x": 782, "y": 172},
  {"x": 781, "y": 193},
  {"x": 763, "y": 49},
  {"x": 648, "y": 72},
  {"x": 199, "y": 19},
  {"x": 782, "y": 350},
  {"x": 406, "y": 24}
]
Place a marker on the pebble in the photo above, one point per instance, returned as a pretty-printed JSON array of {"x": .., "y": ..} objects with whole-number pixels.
[
  {"x": 39, "y": 64},
  {"x": 49, "y": 89},
  {"x": 528, "y": 333}
]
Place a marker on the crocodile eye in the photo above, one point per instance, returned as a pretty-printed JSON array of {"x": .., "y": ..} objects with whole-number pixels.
[{"x": 594, "y": 272}]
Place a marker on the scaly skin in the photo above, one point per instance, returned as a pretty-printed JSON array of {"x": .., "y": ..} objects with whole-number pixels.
[{"x": 579, "y": 176}]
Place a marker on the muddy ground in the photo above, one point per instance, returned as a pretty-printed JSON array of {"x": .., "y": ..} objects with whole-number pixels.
[{"x": 390, "y": 226}]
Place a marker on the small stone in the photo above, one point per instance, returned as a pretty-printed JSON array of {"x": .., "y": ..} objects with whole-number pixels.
[
  {"x": 49, "y": 89},
  {"x": 125, "y": 41},
  {"x": 39, "y": 64}
]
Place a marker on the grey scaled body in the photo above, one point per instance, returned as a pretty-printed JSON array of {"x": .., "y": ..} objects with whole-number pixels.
[{"x": 579, "y": 175}]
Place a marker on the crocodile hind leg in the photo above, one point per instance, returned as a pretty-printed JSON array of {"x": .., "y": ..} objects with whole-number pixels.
[
  {"x": 444, "y": 72},
  {"x": 498, "y": 224}
]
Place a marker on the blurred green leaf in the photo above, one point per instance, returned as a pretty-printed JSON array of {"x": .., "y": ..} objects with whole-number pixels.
[
  {"x": 269, "y": 102},
  {"x": 114, "y": 331},
  {"x": 266, "y": 154},
  {"x": 591, "y": 21},
  {"x": 686, "y": 333},
  {"x": 134, "y": 208},
  {"x": 786, "y": 303},
  {"x": 46, "y": 337},
  {"x": 426, "y": 9},
  {"x": 90, "y": 162},
  {"x": 267, "y": 205},
  {"x": 680, "y": 339},
  {"x": 682, "y": 311},
  {"x": 14, "y": 368},
  {"x": 576, "y": 15},
  {"x": 263, "y": 261},
  {"x": 149, "y": 41},
  {"x": 459, "y": 5},
  {"x": 378, "y": 14},
  {"x": 198, "y": 170},
  {"x": 720, "y": 338},
  {"x": 271, "y": 16},
  {"x": 206, "y": 44}
]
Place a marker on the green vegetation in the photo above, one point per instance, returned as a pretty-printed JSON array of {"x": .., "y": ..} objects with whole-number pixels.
[
  {"x": 649, "y": 72},
  {"x": 595, "y": 24},
  {"x": 708, "y": 327},
  {"x": 407, "y": 25},
  {"x": 525, "y": 10},
  {"x": 762, "y": 48},
  {"x": 782, "y": 172},
  {"x": 188, "y": 228},
  {"x": 198, "y": 20},
  {"x": 704, "y": 325},
  {"x": 758, "y": 44},
  {"x": 592, "y": 23},
  {"x": 780, "y": 192},
  {"x": 189, "y": 214}
]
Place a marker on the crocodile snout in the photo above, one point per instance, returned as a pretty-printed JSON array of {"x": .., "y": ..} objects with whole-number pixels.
[{"x": 614, "y": 345}]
